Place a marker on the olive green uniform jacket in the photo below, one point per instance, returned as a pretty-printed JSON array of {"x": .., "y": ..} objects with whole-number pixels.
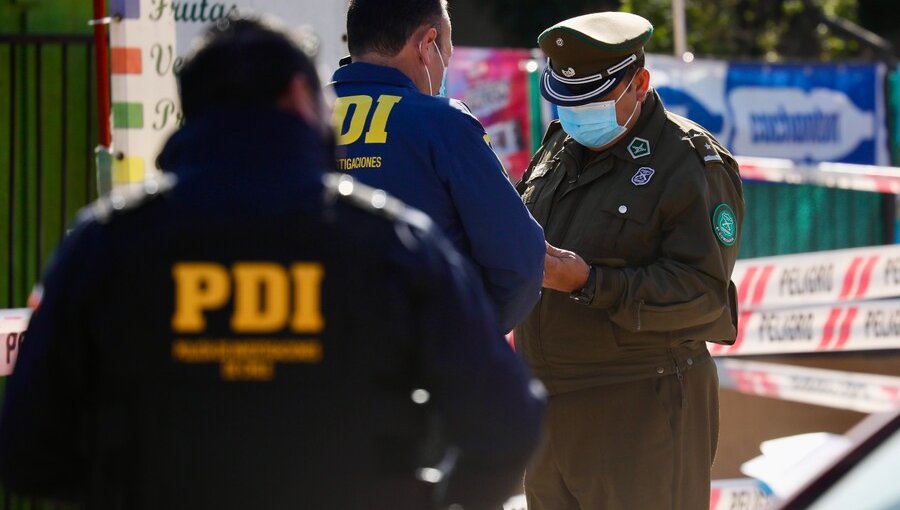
[{"x": 648, "y": 213}]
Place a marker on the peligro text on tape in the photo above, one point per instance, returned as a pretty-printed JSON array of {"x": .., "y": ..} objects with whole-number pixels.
[
  {"x": 739, "y": 494},
  {"x": 881, "y": 179},
  {"x": 866, "y": 393},
  {"x": 818, "y": 278},
  {"x": 13, "y": 324},
  {"x": 856, "y": 326}
]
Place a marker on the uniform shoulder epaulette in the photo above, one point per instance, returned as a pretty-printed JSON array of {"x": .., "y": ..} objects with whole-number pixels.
[
  {"x": 714, "y": 156},
  {"x": 128, "y": 197},
  {"x": 709, "y": 151},
  {"x": 346, "y": 189},
  {"x": 705, "y": 147},
  {"x": 462, "y": 107}
]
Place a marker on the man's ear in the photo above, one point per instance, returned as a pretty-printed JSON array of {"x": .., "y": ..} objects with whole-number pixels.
[
  {"x": 642, "y": 80},
  {"x": 423, "y": 38}
]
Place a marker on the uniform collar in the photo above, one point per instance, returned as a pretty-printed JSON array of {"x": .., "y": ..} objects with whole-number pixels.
[
  {"x": 367, "y": 73},
  {"x": 645, "y": 132}
]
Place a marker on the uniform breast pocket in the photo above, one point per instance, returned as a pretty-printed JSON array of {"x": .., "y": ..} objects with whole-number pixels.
[{"x": 622, "y": 227}]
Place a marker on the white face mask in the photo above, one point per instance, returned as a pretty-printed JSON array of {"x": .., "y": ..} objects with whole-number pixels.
[
  {"x": 442, "y": 92},
  {"x": 595, "y": 124}
]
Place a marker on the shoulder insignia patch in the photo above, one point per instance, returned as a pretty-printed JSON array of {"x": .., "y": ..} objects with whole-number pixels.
[
  {"x": 643, "y": 176},
  {"x": 638, "y": 148},
  {"x": 724, "y": 224},
  {"x": 705, "y": 148},
  {"x": 461, "y": 107}
]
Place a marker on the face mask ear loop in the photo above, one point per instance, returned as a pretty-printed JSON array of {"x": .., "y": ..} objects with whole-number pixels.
[
  {"x": 636, "y": 102},
  {"x": 427, "y": 73},
  {"x": 626, "y": 88},
  {"x": 632, "y": 113},
  {"x": 434, "y": 42}
]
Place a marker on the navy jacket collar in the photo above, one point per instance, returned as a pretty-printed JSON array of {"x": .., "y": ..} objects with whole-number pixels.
[{"x": 369, "y": 73}]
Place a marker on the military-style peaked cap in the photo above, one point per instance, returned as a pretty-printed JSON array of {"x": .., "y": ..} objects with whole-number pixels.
[{"x": 588, "y": 55}]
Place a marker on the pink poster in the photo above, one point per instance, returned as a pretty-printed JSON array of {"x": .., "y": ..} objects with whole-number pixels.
[{"x": 494, "y": 85}]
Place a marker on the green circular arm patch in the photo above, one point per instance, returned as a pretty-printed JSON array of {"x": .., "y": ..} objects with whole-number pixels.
[{"x": 724, "y": 224}]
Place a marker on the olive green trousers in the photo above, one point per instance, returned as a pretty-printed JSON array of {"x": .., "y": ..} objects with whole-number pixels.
[{"x": 641, "y": 445}]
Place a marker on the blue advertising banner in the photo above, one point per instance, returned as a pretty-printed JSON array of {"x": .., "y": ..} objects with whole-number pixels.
[{"x": 809, "y": 113}]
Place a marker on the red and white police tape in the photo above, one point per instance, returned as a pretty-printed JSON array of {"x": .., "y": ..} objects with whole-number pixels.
[
  {"x": 881, "y": 179},
  {"x": 865, "y": 393},
  {"x": 516, "y": 503},
  {"x": 858, "y": 326},
  {"x": 739, "y": 494},
  {"x": 734, "y": 494},
  {"x": 818, "y": 278},
  {"x": 13, "y": 324}
]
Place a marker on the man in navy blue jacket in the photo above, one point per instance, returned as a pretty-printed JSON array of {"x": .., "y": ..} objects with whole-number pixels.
[
  {"x": 250, "y": 332},
  {"x": 431, "y": 152}
]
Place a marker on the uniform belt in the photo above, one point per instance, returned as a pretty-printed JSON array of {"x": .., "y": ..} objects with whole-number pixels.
[{"x": 684, "y": 358}]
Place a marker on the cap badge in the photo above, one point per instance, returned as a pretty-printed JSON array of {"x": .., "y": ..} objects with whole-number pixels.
[
  {"x": 642, "y": 176},
  {"x": 639, "y": 148},
  {"x": 559, "y": 41},
  {"x": 568, "y": 72}
]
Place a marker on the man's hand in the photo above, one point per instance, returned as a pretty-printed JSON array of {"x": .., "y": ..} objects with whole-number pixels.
[{"x": 564, "y": 270}]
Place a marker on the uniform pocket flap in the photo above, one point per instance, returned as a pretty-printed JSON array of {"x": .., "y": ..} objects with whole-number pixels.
[{"x": 673, "y": 316}]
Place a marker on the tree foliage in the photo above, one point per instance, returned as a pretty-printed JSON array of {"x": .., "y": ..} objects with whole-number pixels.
[
  {"x": 523, "y": 20},
  {"x": 769, "y": 29},
  {"x": 758, "y": 29}
]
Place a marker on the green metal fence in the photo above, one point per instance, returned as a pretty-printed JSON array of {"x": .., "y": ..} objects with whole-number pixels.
[
  {"x": 47, "y": 136},
  {"x": 784, "y": 218}
]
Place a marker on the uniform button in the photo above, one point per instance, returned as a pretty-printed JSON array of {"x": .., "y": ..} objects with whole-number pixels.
[
  {"x": 690, "y": 362},
  {"x": 660, "y": 370},
  {"x": 623, "y": 209}
]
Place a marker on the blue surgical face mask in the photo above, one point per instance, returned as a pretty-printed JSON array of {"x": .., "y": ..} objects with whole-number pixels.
[
  {"x": 442, "y": 92},
  {"x": 595, "y": 124}
]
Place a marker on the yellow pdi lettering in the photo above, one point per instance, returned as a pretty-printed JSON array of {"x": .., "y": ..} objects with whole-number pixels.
[
  {"x": 261, "y": 294},
  {"x": 378, "y": 127},
  {"x": 199, "y": 286},
  {"x": 261, "y": 300},
  {"x": 360, "y": 106}
]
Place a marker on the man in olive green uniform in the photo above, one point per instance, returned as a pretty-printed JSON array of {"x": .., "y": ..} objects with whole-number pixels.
[{"x": 641, "y": 211}]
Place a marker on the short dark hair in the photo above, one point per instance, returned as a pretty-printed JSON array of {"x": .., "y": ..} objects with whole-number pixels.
[
  {"x": 384, "y": 26},
  {"x": 241, "y": 62}
]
